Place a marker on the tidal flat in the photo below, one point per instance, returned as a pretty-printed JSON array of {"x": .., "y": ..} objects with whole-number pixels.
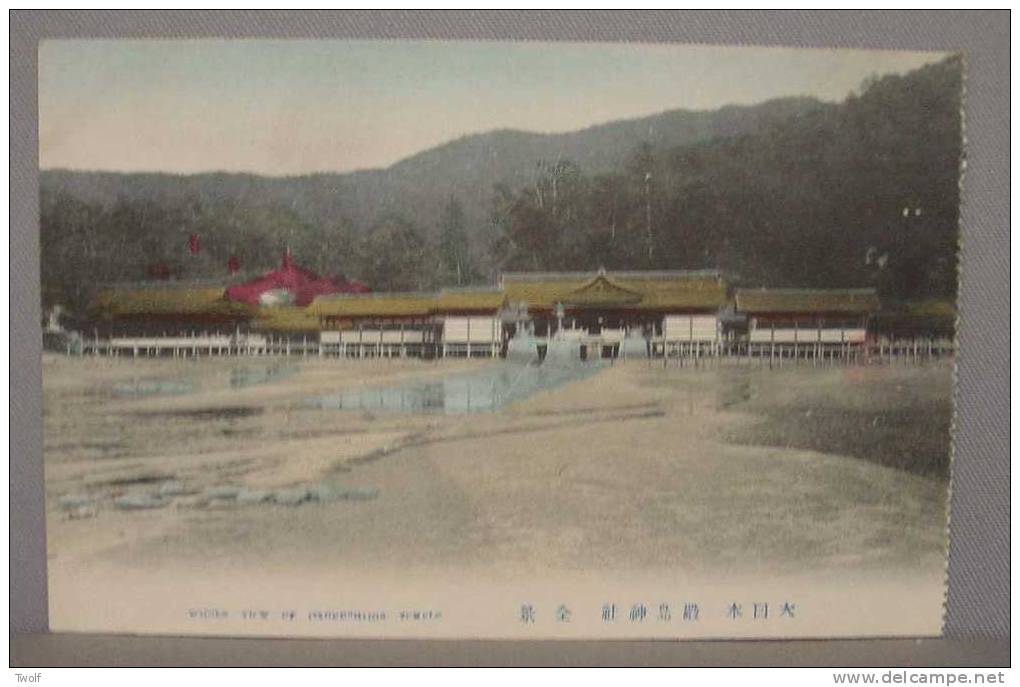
[{"x": 629, "y": 467}]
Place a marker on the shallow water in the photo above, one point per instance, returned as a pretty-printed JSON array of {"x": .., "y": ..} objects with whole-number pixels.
[
  {"x": 151, "y": 387},
  {"x": 478, "y": 392},
  {"x": 241, "y": 377}
]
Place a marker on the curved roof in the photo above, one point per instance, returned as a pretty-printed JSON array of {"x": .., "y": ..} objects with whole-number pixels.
[
  {"x": 303, "y": 285},
  {"x": 654, "y": 290}
]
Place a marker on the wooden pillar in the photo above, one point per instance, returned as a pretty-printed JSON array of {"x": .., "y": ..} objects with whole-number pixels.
[{"x": 772, "y": 345}]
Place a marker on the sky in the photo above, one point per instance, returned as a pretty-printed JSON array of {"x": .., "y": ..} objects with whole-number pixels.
[{"x": 294, "y": 107}]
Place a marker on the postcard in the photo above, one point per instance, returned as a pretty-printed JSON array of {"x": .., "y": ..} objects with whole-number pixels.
[{"x": 440, "y": 339}]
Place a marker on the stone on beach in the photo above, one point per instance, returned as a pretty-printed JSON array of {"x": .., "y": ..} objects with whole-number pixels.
[
  {"x": 74, "y": 501},
  {"x": 223, "y": 492},
  {"x": 325, "y": 493},
  {"x": 292, "y": 497},
  {"x": 252, "y": 496},
  {"x": 82, "y": 513},
  {"x": 192, "y": 502},
  {"x": 140, "y": 502},
  {"x": 174, "y": 488}
]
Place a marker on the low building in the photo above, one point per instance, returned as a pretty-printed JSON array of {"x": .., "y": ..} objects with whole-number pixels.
[
  {"x": 471, "y": 322},
  {"x": 263, "y": 315},
  {"x": 928, "y": 319},
  {"x": 657, "y": 310},
  {"x": 377, "y": 324},
  {"x": 530, "y": 315},
  {"x": 454, "y": 322},
  {"x": 806, "y": 318},
  {"x": 165, "y": 319}
]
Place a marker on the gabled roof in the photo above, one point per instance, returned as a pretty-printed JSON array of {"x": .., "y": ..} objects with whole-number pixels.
[
  {"x": 302, "y": 285},
  {"x": 654, "y": 290},
  {"x": 807, "y": 300},
  {"x": 602, "y": 292}
]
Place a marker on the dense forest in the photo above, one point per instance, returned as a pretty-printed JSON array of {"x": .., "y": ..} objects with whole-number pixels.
[{"x": 792, "y": 192}]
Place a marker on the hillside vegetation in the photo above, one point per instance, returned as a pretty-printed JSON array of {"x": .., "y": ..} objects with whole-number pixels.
[{"x": 789, "y": 192}]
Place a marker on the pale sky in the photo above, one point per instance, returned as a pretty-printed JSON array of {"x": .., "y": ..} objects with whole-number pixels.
[{"x": 293, "y": 107}]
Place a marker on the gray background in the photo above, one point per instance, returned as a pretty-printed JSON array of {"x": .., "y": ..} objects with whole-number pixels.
[{"x": 977, "y": 621}]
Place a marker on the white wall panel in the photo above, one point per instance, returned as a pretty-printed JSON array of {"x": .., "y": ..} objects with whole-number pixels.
[
  {"x": 855, "y": 335},
  {"x": 690, "y": 328},
  {"x": 483, "y": 330}
]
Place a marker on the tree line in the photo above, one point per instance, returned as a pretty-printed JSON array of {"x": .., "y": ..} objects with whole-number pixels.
[{"x": 863, "y": 194}]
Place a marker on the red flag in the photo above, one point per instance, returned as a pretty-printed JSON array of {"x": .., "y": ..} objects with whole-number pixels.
[
  {"x": 159, "y": 270},
  {"x": 194, "y": 243}
]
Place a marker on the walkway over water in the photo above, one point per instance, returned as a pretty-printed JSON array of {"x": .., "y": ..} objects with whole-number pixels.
[
  {"x": 483, "y": 391},
  {"x": 529, "y": 349}
]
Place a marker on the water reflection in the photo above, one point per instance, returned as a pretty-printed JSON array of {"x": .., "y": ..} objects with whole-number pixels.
[
  {"x": 241, "y": 377},
  {"x": 148, "y": 387},
  {"x": 478, "y": 392}
]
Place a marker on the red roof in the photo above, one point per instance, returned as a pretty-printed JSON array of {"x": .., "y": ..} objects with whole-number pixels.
[{"x": 299, "y": 285}]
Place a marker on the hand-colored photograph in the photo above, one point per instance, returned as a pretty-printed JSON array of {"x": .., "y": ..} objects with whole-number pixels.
[{"x": 497, "y": 339}]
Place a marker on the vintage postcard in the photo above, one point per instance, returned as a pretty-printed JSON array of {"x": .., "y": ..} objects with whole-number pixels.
[{"x": 494, "y": 339}]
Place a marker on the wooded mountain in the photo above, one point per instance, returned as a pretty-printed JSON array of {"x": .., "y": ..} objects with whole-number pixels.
[
  {"x": 419, "y": 186},
  {"x": 789, "y": 192}
]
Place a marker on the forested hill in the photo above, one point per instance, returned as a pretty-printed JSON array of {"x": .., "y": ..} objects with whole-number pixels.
[
  {"x": 788, "y": 192},
  {"x": 866, "y": 193},
  {"x": 418, "y": 187}
]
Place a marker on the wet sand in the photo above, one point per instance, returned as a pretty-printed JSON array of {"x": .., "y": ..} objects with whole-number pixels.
[{"x": 634, "y": 470}]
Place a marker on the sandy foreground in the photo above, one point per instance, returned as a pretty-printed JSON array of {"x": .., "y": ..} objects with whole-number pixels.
[{"x": 636, "y": 486}]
